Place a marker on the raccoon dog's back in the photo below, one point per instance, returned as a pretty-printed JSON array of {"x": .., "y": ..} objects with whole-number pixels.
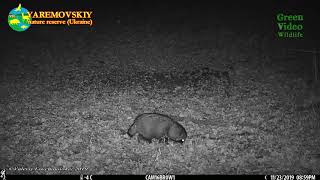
[{"x": 154, "y": 125}]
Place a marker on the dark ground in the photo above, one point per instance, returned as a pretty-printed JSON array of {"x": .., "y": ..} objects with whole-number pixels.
[{"x": 68, "y": 94}]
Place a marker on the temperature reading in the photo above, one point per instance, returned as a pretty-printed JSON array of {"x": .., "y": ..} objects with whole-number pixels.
[
  {"x": 85, "y": 177},
  {"x": 3, "y": 174}
]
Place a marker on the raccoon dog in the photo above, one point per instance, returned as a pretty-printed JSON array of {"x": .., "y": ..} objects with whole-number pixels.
[{"x": 157, "y": 126}]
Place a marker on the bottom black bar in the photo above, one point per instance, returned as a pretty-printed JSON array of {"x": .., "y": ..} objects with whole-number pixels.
[{"x": 165, "y": 177}]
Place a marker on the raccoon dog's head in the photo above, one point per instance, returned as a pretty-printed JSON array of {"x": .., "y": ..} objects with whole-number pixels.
[{"x": 177, "y": 133}]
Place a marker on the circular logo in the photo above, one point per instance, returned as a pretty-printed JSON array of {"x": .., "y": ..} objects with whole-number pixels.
[{"x": 19, "y": 19}]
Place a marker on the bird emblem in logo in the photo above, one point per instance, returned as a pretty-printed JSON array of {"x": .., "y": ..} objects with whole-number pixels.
[{"x": 19, "y": 19}]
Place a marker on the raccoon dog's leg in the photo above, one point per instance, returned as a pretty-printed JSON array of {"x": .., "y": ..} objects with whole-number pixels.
[
  {"x": 164, "y": 140},
  {"x": 140, "y": 137},
  {"x": 132, "y": 130}
]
